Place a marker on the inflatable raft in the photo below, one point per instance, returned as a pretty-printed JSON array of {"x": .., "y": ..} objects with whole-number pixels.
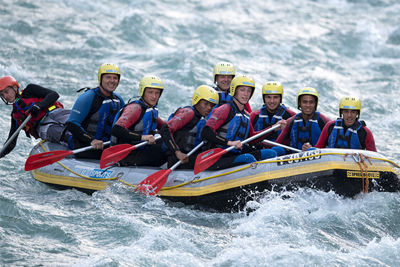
[{"x": 344, "y": 171}]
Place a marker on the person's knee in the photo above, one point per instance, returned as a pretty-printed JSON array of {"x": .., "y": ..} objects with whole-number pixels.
[
  {"x": 280, "y": 151},
  {"x": 245, "y": 158},
  {"x": 268, "y": 153}
]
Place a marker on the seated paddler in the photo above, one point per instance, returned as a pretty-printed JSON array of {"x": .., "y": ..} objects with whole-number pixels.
[
  {"x": 348, "y": 131},
  {"x": 230, "y": 124},
  {"x": 94, "y": 111},
  {"x": 183, "y": 130},
  {"x": 138, "y": 121}
]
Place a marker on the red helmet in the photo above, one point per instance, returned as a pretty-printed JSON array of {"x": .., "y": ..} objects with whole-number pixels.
[{"x": 7, "y": 81}]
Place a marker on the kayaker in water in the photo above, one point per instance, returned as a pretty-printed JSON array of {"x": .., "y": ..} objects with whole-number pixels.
[
  {"x": 223, "y": 74},
  {"x": 93, "y": 113},
  {"x": 272, "y": 111},
  {"x": 348, "y": 131},
  {"x": 48, "y": 116},
  {"x": 230, "y": 124},
  {"x": 183, "y": 130},
  {"x": 303, "y": 130},
  {"x": 138, "y": 121}
]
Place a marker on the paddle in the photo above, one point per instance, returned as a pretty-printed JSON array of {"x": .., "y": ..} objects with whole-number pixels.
[
  {"x": 277, "y": 144},
  {"x": 153, "y": 183},
  {"x": 209, "y": 157},
  {"x": 47, "y": 158},
  {"x": 116, "y": 153},
  {"x": 15, "y": 133}
]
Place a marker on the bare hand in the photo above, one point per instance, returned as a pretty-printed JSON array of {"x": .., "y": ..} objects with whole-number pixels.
[
  {"x": 306, "y": 146},
  {"x": 150, "y": 138},
  {"x": 237, "y": 144},
  {"x": 182, "y": 156},
  {"x": 282, "y": 124},
  {"x": 97, "y": 144}
]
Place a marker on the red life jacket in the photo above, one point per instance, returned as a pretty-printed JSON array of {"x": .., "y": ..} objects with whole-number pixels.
[{"x": 19, "y": 114}]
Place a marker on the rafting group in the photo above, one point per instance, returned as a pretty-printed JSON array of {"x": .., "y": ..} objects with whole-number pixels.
[{"x": 218, "y": 117}]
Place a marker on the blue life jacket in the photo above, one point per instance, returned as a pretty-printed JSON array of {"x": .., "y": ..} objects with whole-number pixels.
[
  {"x": 223, "y": 98},
  {"x": 349, "y": 139},
  {"x": 262, "y": 121},
  {"x": 189, "y": 135},
  {"x": 302, "y": 133},
  {"x": 147, "y": 121},
  {"x": 236, "y": 126},
  {"x": 100, "y": 122}
]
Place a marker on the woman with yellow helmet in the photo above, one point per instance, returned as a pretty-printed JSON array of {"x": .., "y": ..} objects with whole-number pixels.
[
  {"x": 272, "y": 111},
  {"x": 138, "y": 122},
  {"x": 303, "y": 130},
  {"x": 230, "y": 124},
  {"x": 94, "y": 111},
  {"x": 183, "y": 130},
  {"x": 348, "y": 131}
]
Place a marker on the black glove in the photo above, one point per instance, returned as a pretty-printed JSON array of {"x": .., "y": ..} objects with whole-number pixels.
[{"x": 34, "y": 110}]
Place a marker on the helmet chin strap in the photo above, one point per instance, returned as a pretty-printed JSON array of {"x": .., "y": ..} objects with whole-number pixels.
[{"x": 240, "y": 102}]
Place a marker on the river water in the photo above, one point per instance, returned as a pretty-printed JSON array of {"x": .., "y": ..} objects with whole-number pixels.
[{"x": 338, "y": 47}]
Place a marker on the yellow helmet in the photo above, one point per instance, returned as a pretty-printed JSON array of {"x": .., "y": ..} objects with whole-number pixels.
[
  {"x": 272, "y": 88},
  {"x": 242, "y": 81},
  {"x": 108, "y": 68},
  {"x": 350, "y": 103},
  {"x": 224, "y": 68},
  {"x": 150, "y": 81},
  {"x": 205, "y": 92},
  {"x": 307, "y": 91}
]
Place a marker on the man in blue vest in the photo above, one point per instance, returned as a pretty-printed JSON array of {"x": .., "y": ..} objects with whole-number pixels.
[
  {"x": 303, "y": 130},
  {"x": 93, "y": 113},
  {"x": 138, "y": 122},
  {"x": 272, "y": 111},
  {"x": 348, "y": 131},
  {"x": 229, "y": 125}
]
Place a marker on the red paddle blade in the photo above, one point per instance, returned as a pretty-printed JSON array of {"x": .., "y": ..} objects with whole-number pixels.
[
  {"x": 153, "y": 183},
  {"x": 207, "y": 158},
  {"x": 46, "y": 158},
  {"x": 114, "y": 154}
]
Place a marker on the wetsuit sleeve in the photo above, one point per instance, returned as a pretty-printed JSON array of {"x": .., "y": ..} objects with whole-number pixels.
[
  {"x": 369, "y": 140},
  {"x": 78, "y": 114},
  {"x": 12, "y": 145},
  {"x": 323, "y": 121},
  {"x": 178, "y": 121},
  {"x": 160, "y": 123},
  {"x": 130, "y": 115},
  {"x": 323, "y": 138},
  {"x": 216, "y": 120},
  {"x": 253, "y": 116},
  {"x": 284, "y": 137},
  {"x": 49, "y": 96}
]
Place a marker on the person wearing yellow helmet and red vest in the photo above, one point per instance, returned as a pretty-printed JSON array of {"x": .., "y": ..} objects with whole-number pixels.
[
  {"x": 138, "y": 122},
  {"x": 223, "y": 73},
  {"x": 348, "y": 131},
  {"x": 272, "y": 111},
  {"x": 303, "y": 130},
  {"x": 36, "y": 101},
  {"x": 183, "y": 130},
  {"x": 230, "y": 124},
  {"x": 94, "y": 111}
]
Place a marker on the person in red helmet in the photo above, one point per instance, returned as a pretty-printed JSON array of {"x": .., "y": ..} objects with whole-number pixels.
[{"x": 48, "y": 116}]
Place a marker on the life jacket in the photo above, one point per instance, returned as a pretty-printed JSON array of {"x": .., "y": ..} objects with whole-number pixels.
[
  {"x": 100, "y": 122},
  {"x": 349, "y": 139},
  {"x": 262, "y": 121},
  {"x": 147, "y": 121},
  {"x": 20, "y": 108},
  {"x": 302, "y": 133},
  {"x": 236, "y": 126},
  {"x": 189, "y": 136}
]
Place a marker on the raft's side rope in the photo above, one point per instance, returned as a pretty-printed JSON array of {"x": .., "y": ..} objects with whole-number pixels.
[
  {"x": 78, "y": 174},
  {"x": 363, "y": 168}
]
